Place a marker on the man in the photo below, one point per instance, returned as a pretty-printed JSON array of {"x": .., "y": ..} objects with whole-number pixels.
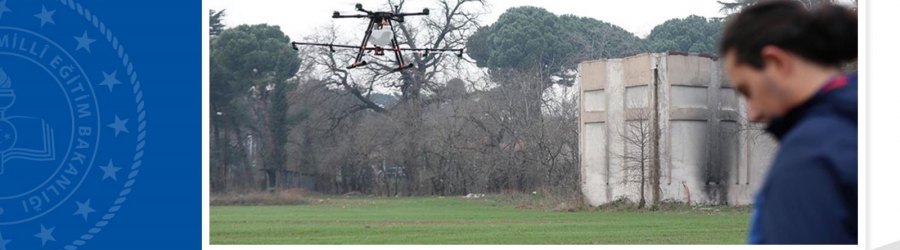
[{"x": 785, "y": 60}]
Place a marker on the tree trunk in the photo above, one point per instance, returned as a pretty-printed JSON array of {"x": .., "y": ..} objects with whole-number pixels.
[
  {"x": 642, "y": 201},
  {"x": 218, "y": 185},
  {"x": 278, "y": 125},
  {"x": 245, "y": 158}
]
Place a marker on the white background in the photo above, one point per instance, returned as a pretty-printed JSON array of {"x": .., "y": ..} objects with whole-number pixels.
[{"x": 883, "y": 120}]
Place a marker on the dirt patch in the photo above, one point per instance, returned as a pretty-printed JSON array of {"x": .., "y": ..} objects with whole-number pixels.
[
  {"x": 542, "y": 200},
  {"x": 300, "y": 192},
  {"x": 376, "y": 223},
  {"x": 349, "y": 202},
  {"x": 354, "y": 194},
  {"x": 258, "y": 199}
]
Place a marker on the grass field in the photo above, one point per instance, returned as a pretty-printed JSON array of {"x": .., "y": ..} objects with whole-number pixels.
[{"x": 461, "y": 221}]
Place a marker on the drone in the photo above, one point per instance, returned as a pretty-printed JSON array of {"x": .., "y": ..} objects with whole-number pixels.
[{"x": 379, "y": 37}]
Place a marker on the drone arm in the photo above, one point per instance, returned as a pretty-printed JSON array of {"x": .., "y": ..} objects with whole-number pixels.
[
  {"x": 453, "y": 50},
  {"x": 459, "y": 52},
  {"x": 360, "y": 8},
  {"x": 294, "y": 44},
  {"x": 330, "y": 46},
  {"x": 348, "y": 16},
  {"x": 411, "y": 14},
  {"x": 424, "y": 12}
]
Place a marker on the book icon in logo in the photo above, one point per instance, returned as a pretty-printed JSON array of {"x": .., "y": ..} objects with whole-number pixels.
[{"x": 24, "y": 138}]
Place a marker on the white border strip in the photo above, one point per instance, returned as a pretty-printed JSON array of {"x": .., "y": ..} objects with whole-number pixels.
[
  {"x": 881, "y": 96},
  {"x": 205, "y": 117}
]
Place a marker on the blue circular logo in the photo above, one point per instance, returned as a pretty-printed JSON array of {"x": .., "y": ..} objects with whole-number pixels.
[{"x": 71, "y": 125}]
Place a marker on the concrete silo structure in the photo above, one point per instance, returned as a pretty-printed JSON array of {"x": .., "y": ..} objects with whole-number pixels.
[{"x": 671, "y": 115}]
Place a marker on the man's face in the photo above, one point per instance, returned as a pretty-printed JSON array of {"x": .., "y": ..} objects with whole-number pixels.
[{"x": 758, "y": 86}]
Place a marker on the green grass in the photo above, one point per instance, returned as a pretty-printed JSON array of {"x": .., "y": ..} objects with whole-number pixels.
[{"x": 460, "y": 221}]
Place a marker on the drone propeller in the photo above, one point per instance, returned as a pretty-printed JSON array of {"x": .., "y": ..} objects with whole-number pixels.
[{"x": 394, "y": 14}]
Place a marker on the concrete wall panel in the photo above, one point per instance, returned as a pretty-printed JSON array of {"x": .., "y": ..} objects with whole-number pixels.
[
  {"x": 637, "y": 96},
  {"x": 594, "y": 100},
  {"x": 689, "y": 97},
  {"x": 760, "y": 148},
  {"x": 594, "y": 163},
  {"x": 729, "y": 115},
  {"x": 593, "y": 75},
  {"x": 593, "y": 117},
  {"x": 615, "y": 117},
  {"x": 722, "y": 75},
  {"x": 727, "y": 159},
  {"x": 762, "y": 152},
  {"x": 637, "y": 70},
  {"x": 728, "y": 99},
  {"x": 689, "y": 114},
  {"x": 688, "y": 156},
  {"x": 689, "y": 70}
]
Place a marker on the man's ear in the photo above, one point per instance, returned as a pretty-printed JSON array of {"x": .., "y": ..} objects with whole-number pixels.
[{"x": 777, "y": 60}]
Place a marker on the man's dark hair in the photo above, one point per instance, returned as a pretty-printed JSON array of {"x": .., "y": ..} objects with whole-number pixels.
[{"x": 826, "y": 35}]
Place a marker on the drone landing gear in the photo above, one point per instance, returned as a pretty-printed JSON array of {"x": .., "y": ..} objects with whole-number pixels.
[
  {"x": 402, "y": 67},
  {"x": 364, "y": 63},
  {"x": 379, "y": 51},
  {"x": 359, "y": 64}
]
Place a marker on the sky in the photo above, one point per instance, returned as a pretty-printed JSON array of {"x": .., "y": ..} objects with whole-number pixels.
[{"x": 299, "y": 18}]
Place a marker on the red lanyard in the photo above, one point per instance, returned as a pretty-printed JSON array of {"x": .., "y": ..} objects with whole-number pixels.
[{"x": 835, "y": 83}]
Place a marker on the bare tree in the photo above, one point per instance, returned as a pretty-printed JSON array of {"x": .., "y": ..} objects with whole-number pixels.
[
  {"x": 447, "y": 27},
  {"x": 469, "y": 141},
  {"x": 451, "y": 132},
  {"x": 637, "y": 137}
]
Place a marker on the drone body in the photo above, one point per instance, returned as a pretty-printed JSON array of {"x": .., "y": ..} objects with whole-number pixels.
[{"x": 379, "y": 37}]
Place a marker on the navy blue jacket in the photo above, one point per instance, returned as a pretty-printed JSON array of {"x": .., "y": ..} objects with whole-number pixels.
[{"x": 810, "y": 192}]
